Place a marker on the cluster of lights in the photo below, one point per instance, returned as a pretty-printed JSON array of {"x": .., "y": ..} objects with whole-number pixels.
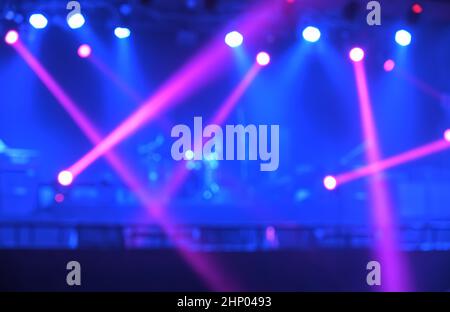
[{"x": 75, "y": 21}]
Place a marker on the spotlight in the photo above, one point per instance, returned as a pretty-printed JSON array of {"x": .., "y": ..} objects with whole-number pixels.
[
  {"x": 84, "y": 51},
  {"x": 330, "y": 183},
  {"x": 76, "y": 21},
  {"x": 417, "y": 8},
  {"x": 65, "y": 178},
  {"x": 389, "y": 65},
  {"x": 122, "y": 32},
  {"x": 11, "y": 37},
  {"x": 403, "y": 37},
  {"x": 356, "y": 54},
  {"x": 263, "y": 58},
  {"x": 447, "y": 135},
  {"x": 189, "y": 155},
  {"x": 234, "y": 39},
  {"x": 311, "y": 34},
  {"x": 38, "y": 21}
]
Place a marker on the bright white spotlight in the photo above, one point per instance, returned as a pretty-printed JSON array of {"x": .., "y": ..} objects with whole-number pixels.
[
  {"x": 263, "y": 58},
  {"x": 356, "y": 54},
  {"x": 11, "y": 37},
  {"x": 122, "y": 32},
  {"x": 330, "y": 183},
  {"x": 447, "y": 135},
  {"x": 403, "y": 37},
  {"x": 65, "y": 178},
  {"x": 311, "y": 34},
  {"x": 76, "y": 21},
  {"x": 234, "y": 39},
  {"x": 38, "y": 21}
]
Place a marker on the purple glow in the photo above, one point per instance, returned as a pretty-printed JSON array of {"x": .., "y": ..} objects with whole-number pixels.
[
  {"x": 356, "y": 54},
  {"x": 263, "y": 58},
  {"x": 65, "y": 178},
  {"x": 11, "y": 37},
  {"x": 84, "y": 51},
  {"x": 330, "y": 183},
  {"x": 270, "y": 234},
  {"x": 389, "y": 65},
  {"x": 59, "y": 198}
]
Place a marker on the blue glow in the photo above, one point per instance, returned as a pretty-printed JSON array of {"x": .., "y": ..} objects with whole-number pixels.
[
  {"x": 403, "y": 37},
  {"x": 122, "y": 32},
  {"x": 311, "y": 34}
]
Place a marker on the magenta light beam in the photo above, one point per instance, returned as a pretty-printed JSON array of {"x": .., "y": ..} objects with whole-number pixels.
[
  {"x": 387, "y": 244},
  {"x": 205, "y": 268},
  {"x": 397, "y": 160}
]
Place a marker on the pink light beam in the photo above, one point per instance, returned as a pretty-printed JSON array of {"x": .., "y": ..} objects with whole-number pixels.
[{"x": 387, "y": 246}]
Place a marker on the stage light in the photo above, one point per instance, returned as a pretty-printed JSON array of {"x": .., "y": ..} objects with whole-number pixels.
[
  {"x": 389, "y": 65},
  {"x": 356, "y": 54},
  {"x": 76, "y": 21},
  {"x": 234, "y": 39},
  {"x": 311, "y": 34},
  {"x": 11, "y": 37},
  {"x": 417, "y": 8},
  {"x": 38, "y": 21},
  {"x": 263, "y": 58},
  {"x": 330, "y": 183},
  {"x": 84, "y": 51},
  {"x": 403, "y": 37},
  {"x": 189, "y": 155},
  {"x": 122, "y": 32},
  {"x": 65, "y": 178},
  {"x": 447, "y": 135}
]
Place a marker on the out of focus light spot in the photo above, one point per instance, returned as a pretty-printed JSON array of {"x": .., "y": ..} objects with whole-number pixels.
[
  {"x": 263, "y": 58},
  {"x": 417, "y": 8},
  {"x": 403, "y": 37},
  {"x": 59, "y": 198},
  {"x": 189, "y": 155},
  {"x": 389, "y": 65},
  {"x": 330, "y": 183},
  {"x": 65, "y": 178},
  {"x": 234, "y": 39},
  {"x": 447, "y": 135},
  {"x": 356, "y": 54},
  {"x": 11, "y": 37},
  {"x": 84, "y": 51}
]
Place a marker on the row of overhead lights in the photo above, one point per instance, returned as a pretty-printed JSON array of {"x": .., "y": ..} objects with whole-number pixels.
[
  {"x": 312, "y": 34},
  {"x": 39, "y": 21}
]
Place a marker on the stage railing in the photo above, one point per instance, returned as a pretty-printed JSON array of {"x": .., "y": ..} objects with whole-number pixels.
[{"x": 48, "y": 235}]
